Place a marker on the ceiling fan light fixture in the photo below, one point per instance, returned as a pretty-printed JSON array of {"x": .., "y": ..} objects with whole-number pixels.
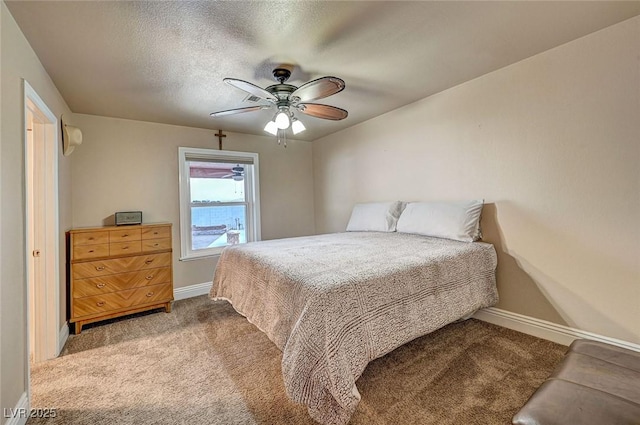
[
  {"x": 297, "y": 126},
  {"x": 271, "y": 128},
  {"x": 288, "y": 99},
  {"x": 282, "y": 120}
]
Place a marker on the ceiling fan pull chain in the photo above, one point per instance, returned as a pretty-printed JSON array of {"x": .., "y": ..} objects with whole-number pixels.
[
  {"x": 285, "y": 138},
  {"x": 279, "y": 135}
]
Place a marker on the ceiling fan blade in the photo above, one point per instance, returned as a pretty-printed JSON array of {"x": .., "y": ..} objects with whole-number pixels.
[
  {"x": 238, "y": 111},
  {"x": 318, "y": 89},
  {"x": 323, "y": 111},
  {"x": 251, "y": 89}
]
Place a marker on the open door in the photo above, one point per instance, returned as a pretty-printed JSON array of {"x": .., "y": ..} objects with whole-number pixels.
[{"x": 41, "y": 224}]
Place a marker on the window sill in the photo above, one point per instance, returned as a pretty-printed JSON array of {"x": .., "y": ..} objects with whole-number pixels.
[{"x": 199, "y": 257}]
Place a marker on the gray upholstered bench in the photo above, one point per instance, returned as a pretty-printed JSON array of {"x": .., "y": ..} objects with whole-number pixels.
[{"x": 595, "y": 384}]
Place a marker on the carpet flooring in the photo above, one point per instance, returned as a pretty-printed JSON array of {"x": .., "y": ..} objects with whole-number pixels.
[{"x": 205, "y": 364}]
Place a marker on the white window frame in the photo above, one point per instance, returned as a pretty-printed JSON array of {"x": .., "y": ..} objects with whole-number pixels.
[{"x": 252, "y": 195}]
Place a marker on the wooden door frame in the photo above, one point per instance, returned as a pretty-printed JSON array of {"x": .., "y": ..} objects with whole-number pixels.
[{"x": 48, "y": 293}]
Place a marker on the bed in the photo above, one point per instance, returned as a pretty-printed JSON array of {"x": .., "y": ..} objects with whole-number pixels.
[{"x": 332, "y": 303}]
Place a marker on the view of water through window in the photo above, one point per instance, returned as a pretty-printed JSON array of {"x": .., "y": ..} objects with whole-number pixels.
[
  {"x": 210, "y": 226},
  {"x": 218, "y": 205}
]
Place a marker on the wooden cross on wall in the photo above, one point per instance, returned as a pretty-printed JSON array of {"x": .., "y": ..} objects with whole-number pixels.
[{"x": 220, "y": 136}]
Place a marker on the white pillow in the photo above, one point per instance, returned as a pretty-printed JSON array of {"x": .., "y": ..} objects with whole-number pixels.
[
  {"x": 450, "y": 220},
  {"x": 375, "y": 217}
]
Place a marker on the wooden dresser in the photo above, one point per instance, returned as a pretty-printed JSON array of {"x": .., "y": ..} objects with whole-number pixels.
[{"x": 115, "y": 271}]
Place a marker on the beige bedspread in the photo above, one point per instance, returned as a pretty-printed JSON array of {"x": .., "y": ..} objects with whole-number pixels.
[{"x": 332, "y": 303}]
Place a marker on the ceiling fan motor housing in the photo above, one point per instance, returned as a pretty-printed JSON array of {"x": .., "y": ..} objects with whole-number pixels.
[{"x": 282, "y": 92}]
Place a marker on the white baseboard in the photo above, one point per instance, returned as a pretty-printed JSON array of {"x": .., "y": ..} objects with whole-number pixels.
[
  {"x": 63, "y": 335},
  {"x": 560, "y": 334},
  {"x": 192, "y": 291},
  {"x": 19, "y": 414},
  {"x": 564, "y": 335}
]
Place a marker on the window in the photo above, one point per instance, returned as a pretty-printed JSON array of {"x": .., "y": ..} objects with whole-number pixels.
[{"x": 219, "y": 200}]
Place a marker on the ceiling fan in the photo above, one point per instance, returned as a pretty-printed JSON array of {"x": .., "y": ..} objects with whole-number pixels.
[
  {"x": 237, "y": 173},
  {"x": 287, "y": 99}
]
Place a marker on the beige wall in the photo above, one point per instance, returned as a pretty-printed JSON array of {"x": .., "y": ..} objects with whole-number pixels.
[
  {"x": 125, "y": 165},
  {"x": 552, "y": 143},
  {"x": 18, "y": 61}
]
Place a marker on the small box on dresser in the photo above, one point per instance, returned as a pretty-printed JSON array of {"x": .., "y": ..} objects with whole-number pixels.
[{"x": 115, "y": 271}]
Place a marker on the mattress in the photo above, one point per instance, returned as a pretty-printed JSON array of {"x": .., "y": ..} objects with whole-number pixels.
[{"x": 332, "y": 303}]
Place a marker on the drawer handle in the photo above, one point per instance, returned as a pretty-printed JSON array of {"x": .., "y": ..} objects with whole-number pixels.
[
  {"x": 125, "y": 247},
  {"x": 156, "y": 244},
  {"x": 125, "y": 235},
  {"x": 150, "y": 294},
  {"x": 91, "y": 238},
  {"x": 149, "y": 261},
  {"x": 99, "y": 268},
  {"x": 91, "y": 250},
  {"x": 100, "y": 303},
  {"x": 149, "y": 277},
  {"x": 100, "y": 285}
]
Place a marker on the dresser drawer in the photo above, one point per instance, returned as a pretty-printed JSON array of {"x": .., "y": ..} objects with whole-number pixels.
[
  {"x": 120, "y": 265},
  {"x": 156, "y": 244},
  {"x": 124, "y": 235},
  {"x": 158, "y": 232},
  {"x": 119, "y": 282},
  {"x": 120, "y": 248},
  {"x": 121, "y": 300},
  {"x": 83, "y": 252},
  {"x": 90, "y": 238}
]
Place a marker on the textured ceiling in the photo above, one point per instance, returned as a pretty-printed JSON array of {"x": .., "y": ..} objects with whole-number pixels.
[{"x": 165, "y": 61}]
